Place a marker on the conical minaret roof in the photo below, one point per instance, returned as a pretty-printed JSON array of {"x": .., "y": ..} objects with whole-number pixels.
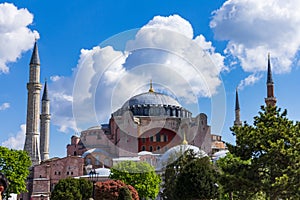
[
  {"x": 45, "y": 93},
  {"x": 237, "y": 103},
  {"x": 269, "y": 78},
  {"x": 35, "y": 59}
]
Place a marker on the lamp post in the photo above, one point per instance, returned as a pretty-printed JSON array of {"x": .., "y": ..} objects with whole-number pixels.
[
  {"x": 176, "y": 170},
  {"x": 93, "y": 176}
]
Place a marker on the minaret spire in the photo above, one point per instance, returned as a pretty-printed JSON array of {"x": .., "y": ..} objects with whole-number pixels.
[
  {"x": 35, "y": 59},
  {"x": 33, "y": 108},
  {"x": 270, "y": 100},
  {"x": 237, "y": 121},
  {"x": 45, "y": 124}
]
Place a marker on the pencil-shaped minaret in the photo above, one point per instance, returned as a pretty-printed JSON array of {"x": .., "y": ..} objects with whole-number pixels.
[
  {"x": 33, "y": 108},
  {"x": 45, "y": 125},
  {"x": 237, "y": 121}
]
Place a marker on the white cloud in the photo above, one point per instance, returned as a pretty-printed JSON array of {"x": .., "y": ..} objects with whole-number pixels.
[
  {"x": 15, "y": 36},
  {"x": 17, "y": 141},
  {"x": 250, "y": 80},
  {"x": 4, "y": 106},
  {"x": 253, "y": 28},
  {"x": 164, "y": 50}
]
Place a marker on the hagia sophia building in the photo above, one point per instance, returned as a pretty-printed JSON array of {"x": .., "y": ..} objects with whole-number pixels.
[{"x": 148, "y": 127}]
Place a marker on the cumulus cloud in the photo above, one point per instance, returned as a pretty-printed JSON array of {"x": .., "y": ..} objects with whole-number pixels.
[
  {"x": 249, "y": 80},
  {"x": 4, "y": 106},
  {"x": 164, "y": 50},
  {"x": 254, "y": 28},
  {"x": 17, "y": 141},
  {"x": 15, "y": 36}
]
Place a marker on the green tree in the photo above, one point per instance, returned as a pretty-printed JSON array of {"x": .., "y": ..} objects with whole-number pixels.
[
  {"x": 15, "y": 165},
  {"x": 190, "y": 177},
  {"x": 197, "y": 180},
  {"x": 124, "y": 194},
  {"x": 266, "y": 158},
  {"x": 140, "y": 175},
  {"x": 72, "y": 189}
]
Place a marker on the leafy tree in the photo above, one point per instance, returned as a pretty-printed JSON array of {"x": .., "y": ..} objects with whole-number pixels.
[
  {"x": 140, "y": 175},
  {"x": 72, "y": 189},
  {"x": 197, "y": 180},
  {"x": 124, "y": 194},
  {"x": 266, "y": 158},
  {"x": 110, "y": 190},
  {"x": 190, "y": 177},
  {"x": 15, "y": 165}
]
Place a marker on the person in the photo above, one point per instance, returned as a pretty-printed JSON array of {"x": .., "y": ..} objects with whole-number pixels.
[{"x": 3, "y": 184}]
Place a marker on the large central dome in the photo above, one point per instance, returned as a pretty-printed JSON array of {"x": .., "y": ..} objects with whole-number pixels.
[
  {"x": 152, "y": 98},
  {"x": 153, "y": 104}
]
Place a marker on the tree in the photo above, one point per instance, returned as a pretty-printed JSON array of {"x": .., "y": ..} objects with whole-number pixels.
[
  {"x": 140, "y": 175},
  {"x": 15, "y": 165},
  {"x": 266, "y": 158},
  {"x": 110, "y": 190},
  {"x": 190, "y": 177},
  {"x": 124, "y": 194},
  {"x": 197, "y": 180},
  {"x": 72, "y": 189}
]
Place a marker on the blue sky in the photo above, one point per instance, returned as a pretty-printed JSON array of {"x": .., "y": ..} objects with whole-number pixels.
[{"x": 92, "y": 67}]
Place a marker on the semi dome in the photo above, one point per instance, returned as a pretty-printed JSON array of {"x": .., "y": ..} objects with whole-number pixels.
[{"x": 175, "y": 152}]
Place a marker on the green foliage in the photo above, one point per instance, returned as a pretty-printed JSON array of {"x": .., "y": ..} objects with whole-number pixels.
[
  {"x": 124, "y": 194},
  {"x": 15, "y": 165},
  {"x": 190, "y": 177},
  {"x": 140, "y": 175},
  {"x": 266, "y": 159},
  {"x": 72, "y": 189}
]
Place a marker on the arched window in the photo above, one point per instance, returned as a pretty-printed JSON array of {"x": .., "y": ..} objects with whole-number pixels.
[
  {"x": 150, "y": 148},
  {"x": 143, "y": 148}
]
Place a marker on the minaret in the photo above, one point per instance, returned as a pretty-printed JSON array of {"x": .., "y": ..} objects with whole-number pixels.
[
  {"x": 45, "y": 125},
  {"x": 237, "y": 121},
  {"x": 33, "y": 108},
  {"x": 270, "y": 100}
]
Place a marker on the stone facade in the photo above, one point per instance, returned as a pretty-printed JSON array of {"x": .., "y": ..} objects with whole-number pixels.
[
  {"x": 151, "y": 122},
  {"x": 47, "y": 174}
]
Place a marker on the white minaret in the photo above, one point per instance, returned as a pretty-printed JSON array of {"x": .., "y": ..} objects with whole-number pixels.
[
  {"x": 45, "y": 125},
  {"x": 33, "y": 108}
]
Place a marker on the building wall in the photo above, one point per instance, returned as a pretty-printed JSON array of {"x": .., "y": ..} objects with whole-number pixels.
[{"x": 47, "y": 174}]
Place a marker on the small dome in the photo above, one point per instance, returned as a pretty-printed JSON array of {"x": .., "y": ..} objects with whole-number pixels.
[
  {"x": 95, "y": 150},
  {"x": 220, "y": 154},
  {"x": 152, "y": 98},
  {"x": 175, "y": 152},
  {"x": 103, "y": 172}
]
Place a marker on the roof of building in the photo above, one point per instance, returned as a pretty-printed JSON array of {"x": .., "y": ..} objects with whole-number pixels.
[
  {"x": 95, "y": 150},
  {"x": 35, "y": 59},
  {"x": 219, "y": 154},
  {"x": 152, "y": 98},
  {"x": 45, "y": 93},
  {"x": 269, "y": 78},
  {"x": 175, "y": 152}
]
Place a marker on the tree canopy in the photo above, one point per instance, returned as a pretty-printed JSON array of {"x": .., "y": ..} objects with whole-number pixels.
[
  {"x": 265, "y": 159},
  {"x": 72, "y": 189},
  {"x": 115, "y": 190},
  {"x": 140, "y": 175},
  {"x": 190, "y": 177},
  {"x": 15, "y": 165}
]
